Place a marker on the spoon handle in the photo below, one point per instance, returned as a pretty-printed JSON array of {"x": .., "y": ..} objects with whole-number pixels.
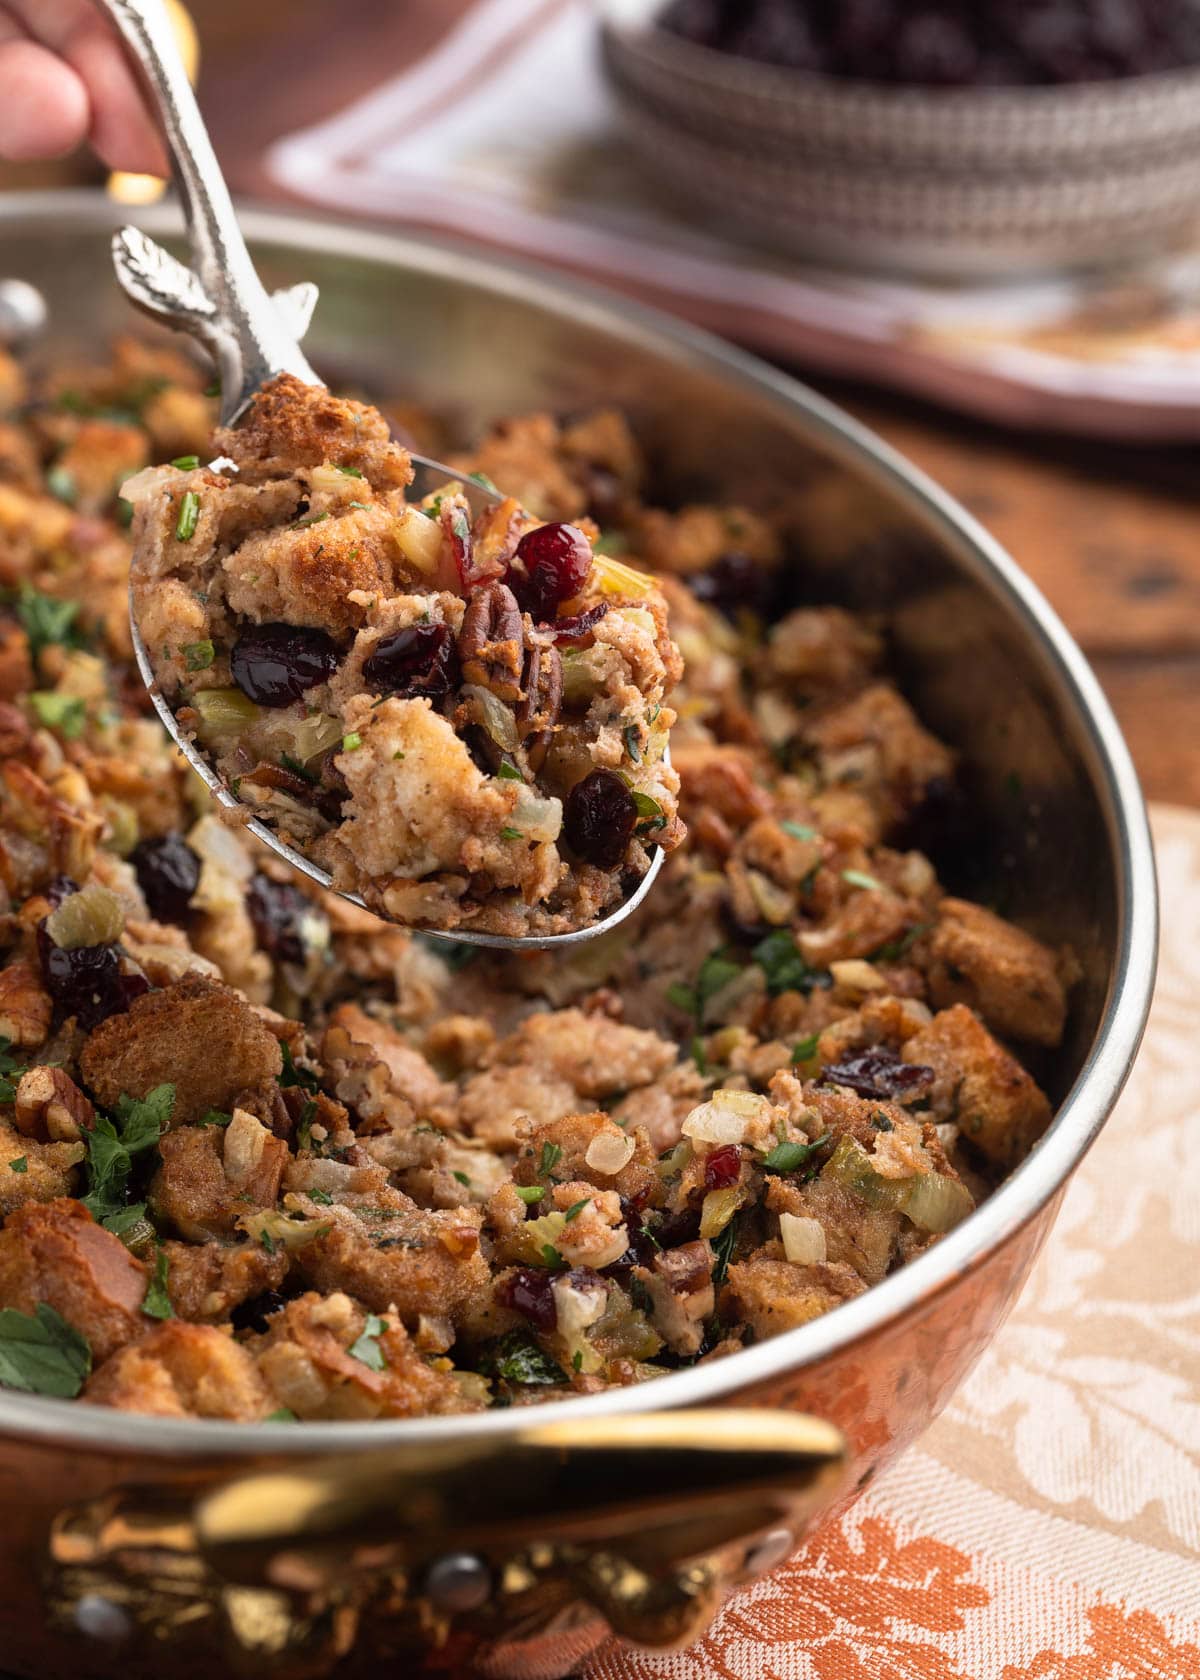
[{"x": 221, "y": 299}]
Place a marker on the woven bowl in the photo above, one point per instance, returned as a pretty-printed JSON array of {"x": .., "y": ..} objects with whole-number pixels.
[{"x": 960, "y": 182}]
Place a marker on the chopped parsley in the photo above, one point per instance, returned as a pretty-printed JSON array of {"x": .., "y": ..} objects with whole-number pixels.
[
  {"x": 283, "y": 1415},
  {"x": 8, "y": 1090},
  {"x": 488, "y": 484},
  {"x": 517, "y": 1358},
  {"x": 549, "y": 1158},
  {"x": 112, "y": 1145},
  {"x": 198, "y": 656},
  {"x": 786, "y": 970},
  {"x": 633, "y": 742},
  {"x": 215, "y": 1117},
  {"x": 40, "y": 1353},
  {"x": 157, "y": 1302},
  {"x": 47, "y": 622},
  {"x": 645, "y": 806},
  {"x": 186, "y": 463},
  {"x": 20, "y": 1165},
  {"x": 463, "y": 1179},
  {"x": 64, "y": 712},
  {"x": 798, "y": 831},
  {"x": 723, "y": 1252},
  {"x": 367, "y": 1349},
  {"x": 575, "y": 1210},
  {"x": 577, "y": 1360},
  {"x": 350, "y": 472},
  {"x": 508, "y": 772},
  {"x": 716, "y": 972},
  {"x": 511, "y": 834},
  {"x": 321, "y": 1196},
  {"x": 896, "y": 948},
  {"x": 551, "y": 1258},
  {"x": 806, "y": 1049},
  {"x": 351, "y": 742},
  {"x": 189, "y": 514},
  {"x": 293, "y": 1075}
]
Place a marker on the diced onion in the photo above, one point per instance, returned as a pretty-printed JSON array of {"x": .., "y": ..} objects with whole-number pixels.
[
  {"x": 747, "y": 1103},
  {"x": 143, "y": 484},
  {"x": 418, "y": 539},
  {"x": 718, "y": 1209},
  {"x": 315, "y": 735},
  {"x": 936, "y": 1202},
  {"x": 537, "y": 818},
  {"x": 497, "y": 718},
  {"x": 609, "y": 1151},
  {"x": 803, "y": 1239},
  {"x": 91, "y": 916},
  {"x": 710, "y": 1124},
  {"x": 773, "y": 901}
]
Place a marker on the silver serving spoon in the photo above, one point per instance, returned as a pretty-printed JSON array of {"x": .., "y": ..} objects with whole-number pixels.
[{"x": 252, "y": 336}]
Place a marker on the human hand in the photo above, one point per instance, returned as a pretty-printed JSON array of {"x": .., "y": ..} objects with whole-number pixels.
[{"x": 64, "y": 79}]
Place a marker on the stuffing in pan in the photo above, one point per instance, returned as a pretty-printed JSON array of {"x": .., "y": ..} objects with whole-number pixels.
[{"x": 264, "y": 1155}]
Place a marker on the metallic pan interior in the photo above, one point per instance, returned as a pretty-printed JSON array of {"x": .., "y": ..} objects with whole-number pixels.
[{"x": 1057, "y": 836}]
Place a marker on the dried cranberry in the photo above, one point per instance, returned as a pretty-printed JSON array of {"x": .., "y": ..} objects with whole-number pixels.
[
  {"x": 673, "y": 1229},
  {"x": 723, "y": 1167},
  {"x": 254, "y": 1313},
  {"x": 275, "y": 664},
  {"x": 530, "y": 1292},
  {"x": 557, "y": 559},
  {"x": 276, "y": 909},
  {"x": 578, "y": 625},
  {"x": 420, "y": 659},
  {"x": 734, "y": 582},
  {"x": 168, "y": 872},
  {"x": 599, "y": 819},
  {"x": 880, "y": 1074},
  {"x": 87, "y": 982}
]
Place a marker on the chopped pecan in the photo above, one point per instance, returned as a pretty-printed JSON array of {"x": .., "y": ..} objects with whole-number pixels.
[
  {"x": 25, "y": 1007},
  {"x": 538, "y": 711},
  {"x": 489, "y": 643},
  {"x": 14, "y": 730},
  {"x": 51, "y": 1107}
]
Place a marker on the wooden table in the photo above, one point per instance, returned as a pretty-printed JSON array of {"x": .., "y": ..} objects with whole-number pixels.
[{"x": 1109, "y": 533}]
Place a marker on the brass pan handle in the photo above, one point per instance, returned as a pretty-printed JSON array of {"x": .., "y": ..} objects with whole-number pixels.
[{"x": 643, "y": 1521}]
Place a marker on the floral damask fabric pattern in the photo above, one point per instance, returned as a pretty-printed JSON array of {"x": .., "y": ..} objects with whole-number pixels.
[{"x": 1048, "y": 1526}]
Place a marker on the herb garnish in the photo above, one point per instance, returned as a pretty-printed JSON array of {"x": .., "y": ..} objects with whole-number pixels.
[
  {"x": 723, "y": 1252},
  {"x": 517, "y": 1358},
  {"x": 47, "y": 622},
  {"x": 189, "y": 515},
  {"x": 293, "y": 1075},
  {"x": 157, "y": 1302},
  {"x": 19, "y": 1165},
  {"x": 549, "y": 1158},
  {"x": 112, "y": 1146},
  {"x": 806, "y": 1049},
  {"x": 186, "y": 463},
  {"x": 860, "y": 878},
  {"x": 716, "y": 972},
  {"x": 530, "y": 1194},
  {"x": 8, "y": 1090},
  {"x": 42, "y": 1353},
  {"x": 198, "y": 656},
  {"x": 786, "y": 970},
  {"x": 790, "y": 1157},
  {"x": 798, "y": 831},
  {"x": 367, "y": 1349},
  {"x": 575, "y": 1210},
  {"x": 64, "y": 712}
]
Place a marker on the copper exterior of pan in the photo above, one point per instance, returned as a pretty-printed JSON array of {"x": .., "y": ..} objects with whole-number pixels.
[{"x": 508, "y": 1544}]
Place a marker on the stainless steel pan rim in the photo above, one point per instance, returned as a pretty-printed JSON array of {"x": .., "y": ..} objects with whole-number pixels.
[{"x": 1099, "y": 1082}]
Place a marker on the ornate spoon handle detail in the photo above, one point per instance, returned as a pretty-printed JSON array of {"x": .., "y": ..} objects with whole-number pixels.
[{"x": 220, "y": 299}]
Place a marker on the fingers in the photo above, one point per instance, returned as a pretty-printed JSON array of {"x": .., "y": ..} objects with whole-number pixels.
[
  {"x": 44, "y": 106},
  {"x": 92, "y": 67}
]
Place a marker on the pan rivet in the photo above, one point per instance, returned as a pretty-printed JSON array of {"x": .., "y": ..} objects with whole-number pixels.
[
  {"x": 99, "y": 1618},
  {"x": 774, "y": 1546},
  {"x": 458, "y": 1581}
]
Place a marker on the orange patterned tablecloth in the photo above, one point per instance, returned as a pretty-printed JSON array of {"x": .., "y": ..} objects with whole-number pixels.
[{"x": 1048, "y": 1525}]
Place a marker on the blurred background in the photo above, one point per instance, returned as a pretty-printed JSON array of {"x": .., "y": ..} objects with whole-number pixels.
[{"x": 975, "y": 223}]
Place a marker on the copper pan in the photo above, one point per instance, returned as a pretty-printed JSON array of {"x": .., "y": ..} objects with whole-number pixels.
[{"x": 509, "y": 1543}]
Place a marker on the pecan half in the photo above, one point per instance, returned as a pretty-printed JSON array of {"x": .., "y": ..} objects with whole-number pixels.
[
  {"x": 51, "y": 1107},
  {"x": 489, "y": 643},
  {"x": 538, "y": 711}
]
